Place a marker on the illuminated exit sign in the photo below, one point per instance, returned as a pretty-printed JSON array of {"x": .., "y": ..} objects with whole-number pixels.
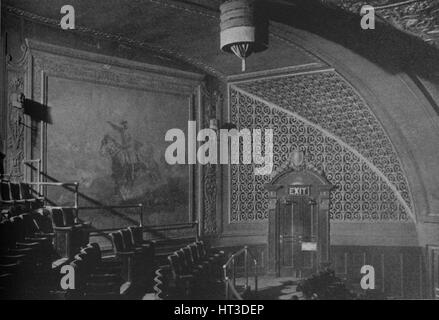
[{"x": 299, "y": 191}]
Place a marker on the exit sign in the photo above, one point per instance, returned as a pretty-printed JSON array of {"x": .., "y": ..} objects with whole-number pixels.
[{"x": 299, "y": 191}]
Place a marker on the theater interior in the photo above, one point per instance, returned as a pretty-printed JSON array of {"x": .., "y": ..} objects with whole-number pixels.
[{"x": 351, "y": 202}]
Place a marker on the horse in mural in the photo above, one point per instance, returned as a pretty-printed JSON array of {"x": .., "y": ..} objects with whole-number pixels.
[{"x": 129, "y": 162}]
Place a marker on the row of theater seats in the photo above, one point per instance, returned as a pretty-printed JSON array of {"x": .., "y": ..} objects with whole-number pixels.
[
  {"x": 16, "y": 198},
  {"x": 137, "y": 258},
  {"x": 37, "y": 241},
  {"x": 193, "y": 273},
  {"x": 25, "y": 257},
  {"x": 96, "y": 278}
]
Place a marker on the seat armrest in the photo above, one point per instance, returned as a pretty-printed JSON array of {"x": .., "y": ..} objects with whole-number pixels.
[
  {"x": 20, "y": 251},
  {"x": 45, "y": 235},
  {"x": 27, "y": 244},
  {"x": 186, "y": 277},
  {"x": 36, "y": 239},
  {"x": 7, "y": 201},
  {"x": 125, "y": 253},
  {"x": 63, "y": 228}
]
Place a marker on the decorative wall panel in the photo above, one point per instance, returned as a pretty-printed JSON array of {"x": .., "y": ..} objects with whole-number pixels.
[
  {"x": 362, "y": 195},
  {"x": 212, "y": 101},
  {"x": 15, "y": 126},
  {"x": 327, "y": 100}
]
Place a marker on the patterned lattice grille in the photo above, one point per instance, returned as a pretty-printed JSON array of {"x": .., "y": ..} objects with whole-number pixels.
[
  {"x": 361, "y": 194},
  {"x": 327, "y": 100}
]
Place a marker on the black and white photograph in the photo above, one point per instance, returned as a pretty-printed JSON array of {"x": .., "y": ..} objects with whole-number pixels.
[{"x": 238, "y": 151}]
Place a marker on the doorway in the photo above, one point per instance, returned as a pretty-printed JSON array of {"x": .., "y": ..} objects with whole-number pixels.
[{"x": 298, "y": 243}]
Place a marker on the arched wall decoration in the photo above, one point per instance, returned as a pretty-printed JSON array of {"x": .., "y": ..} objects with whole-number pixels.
[
  {"x": 327, "y": 100},
  {"x": 362, "y": 194}
]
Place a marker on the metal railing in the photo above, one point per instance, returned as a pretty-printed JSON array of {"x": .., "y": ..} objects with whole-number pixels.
[
  {"x": 39, "y": 183},
  {"x": 77, "y": 208},
  {"x": 230, "y": 280},
  {"x": 30, "y": 163},
  {"x": 175, "y": 226},
  {"x": 74, "y": 184}
]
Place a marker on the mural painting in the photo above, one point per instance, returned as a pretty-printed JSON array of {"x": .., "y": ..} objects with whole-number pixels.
[{"x": 122, "y": 160}]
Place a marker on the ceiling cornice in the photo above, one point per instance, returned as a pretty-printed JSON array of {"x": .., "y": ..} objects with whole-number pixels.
[
  {"x": 159, "y": 51},
  {"x": 416, "y": 17},
  {"x": 419, "y": 18}
]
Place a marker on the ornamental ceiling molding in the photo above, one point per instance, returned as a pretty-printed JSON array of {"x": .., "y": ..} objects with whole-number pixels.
[
  {"x": 327, "y": 133},
  {"x": 170, "y": 74},
  {"x": 160, "y": 51},
  {"x": 416, "y": 17}
]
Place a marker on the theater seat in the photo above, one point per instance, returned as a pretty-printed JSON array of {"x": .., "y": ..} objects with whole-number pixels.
[
  {"x": 92, "y": 279},
  {"x": 184, "y": 283},
  {"x": 69, "y": 235},
  {"x": 127, "y": 261}
]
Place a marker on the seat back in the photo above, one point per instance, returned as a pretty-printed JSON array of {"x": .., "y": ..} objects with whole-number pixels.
[
  {"x": 57, "y": 217},
  {"x": 5, "y": 191},
  {"x": 69, "y": 217},
  {"x": 116, "y": 238},
  {"x": 43, "y": 221},
  {"x": 97, "y": 250},
  {"x": 25, "y": 191},
  {"x": 127, "y": 240},
  {"x": 136, "y": 235},
  {"x": 200, "y": 250},
  {"x": 30, "y": 227},
  {"x": 190, "y": 262},
  {"x": 17, "y": 226},
  {"x": 194, "y": 252},
  {"x": 91, "y": 254},
  {"x": 15, "y": 191},
  {"x": 184, "y": 266},
  {"x": 175, "y": 264},
  {"x": 7, "y": 239}
]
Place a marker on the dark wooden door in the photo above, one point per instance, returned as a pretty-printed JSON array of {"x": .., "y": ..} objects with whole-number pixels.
[
  {"x": 295, "y": 228},
  {"x": 435, "y": 270}
]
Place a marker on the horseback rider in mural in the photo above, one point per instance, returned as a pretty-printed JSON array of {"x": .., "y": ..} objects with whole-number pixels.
[{"x": 130, "y": 159}]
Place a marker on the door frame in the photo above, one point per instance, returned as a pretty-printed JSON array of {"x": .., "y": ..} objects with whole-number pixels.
[
  {"x": 319, "y": 191},
  {"x": 433, "y": 270},
  {"x": 289, "y": 204}
]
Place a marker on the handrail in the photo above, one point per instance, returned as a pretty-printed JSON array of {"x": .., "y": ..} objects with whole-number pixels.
[
  {"x": 175, "y": 226},
  {"x": 231, "y": 287},
  {"x": 230, "y": 282},
  {"x": 127, "y": 206},
  {"x": 76, "y": 206},
  {"x": 74, "y": 184},
  {"x": 56, "y": 184},
  {"x": 29, "y": 162}
]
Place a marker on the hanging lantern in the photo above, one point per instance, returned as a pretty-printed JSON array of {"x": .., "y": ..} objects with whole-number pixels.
[{"x": 238, "y": 31}]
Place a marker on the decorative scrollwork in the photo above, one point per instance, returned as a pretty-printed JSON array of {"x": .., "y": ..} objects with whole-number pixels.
[
  {"x": 327, "y": 100},
  {"x": 361, "y": 195},
  {"x": 15, "y": 133},
  {"x": 419, "y": 17}
]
